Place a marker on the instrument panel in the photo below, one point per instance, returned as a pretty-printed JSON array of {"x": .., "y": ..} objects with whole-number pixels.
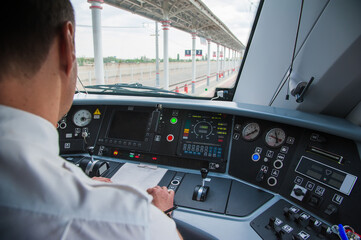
[{"x": 317, "y": 171}]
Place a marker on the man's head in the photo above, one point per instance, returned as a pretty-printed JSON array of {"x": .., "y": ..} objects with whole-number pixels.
[
  {"x": 33, "y": 33},
  {"x": 29, "y": 27}
]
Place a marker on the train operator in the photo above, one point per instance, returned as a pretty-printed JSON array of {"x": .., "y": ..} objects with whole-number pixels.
[{"x": 43, "y": 196}]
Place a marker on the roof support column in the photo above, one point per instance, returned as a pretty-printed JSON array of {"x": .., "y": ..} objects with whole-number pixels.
[
  {"x": 233, "y": 61},
  {"x": 156, "y": 56},
  {"x": 237, "y": 58},
  {"x": 166, "y": 25},
  {"x": 217, "y": 62},
  {"x": 97, "y": 39},
  {"x": 229, "y": 61},
  {"x": 224, "y": 61},
  {"x": 208, "y": 61},
  {"x": 194, "y": 35}
]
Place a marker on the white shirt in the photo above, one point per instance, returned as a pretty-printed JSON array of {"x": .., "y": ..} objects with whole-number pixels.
[{"x": 45, "y": 197}]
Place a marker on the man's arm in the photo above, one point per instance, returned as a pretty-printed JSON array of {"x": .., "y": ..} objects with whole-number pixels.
[{"x": 163, "y": 199}]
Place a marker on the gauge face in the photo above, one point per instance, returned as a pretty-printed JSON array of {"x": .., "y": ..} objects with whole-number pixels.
[
  {"x": 82, "y": 118},
  {"x": 275, "y": 137},
  {"x": 203, "y": 129},
  {"x": 251, "y": 131}
]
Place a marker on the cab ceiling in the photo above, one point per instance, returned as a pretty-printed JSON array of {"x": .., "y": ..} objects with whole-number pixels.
[{"x": 186, "y": 15}]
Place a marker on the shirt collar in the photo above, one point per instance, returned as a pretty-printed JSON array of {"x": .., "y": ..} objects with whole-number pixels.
[{"x": 15, "y": 123}]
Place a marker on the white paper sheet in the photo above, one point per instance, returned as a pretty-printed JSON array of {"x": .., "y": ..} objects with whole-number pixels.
[{"x": 138, "y": 175}]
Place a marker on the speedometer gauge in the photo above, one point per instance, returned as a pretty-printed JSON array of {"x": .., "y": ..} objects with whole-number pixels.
[
  {"x": 250, "y": 131},
  {"x": 82, "y": 118},
  {"x": 275, "y": 137}
]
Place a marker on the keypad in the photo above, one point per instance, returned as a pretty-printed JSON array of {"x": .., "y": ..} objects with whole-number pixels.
[{"x": 202, "y": 150}]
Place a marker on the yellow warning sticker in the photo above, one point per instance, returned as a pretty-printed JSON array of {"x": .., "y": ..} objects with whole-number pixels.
[{"x": 97, "y": 112}]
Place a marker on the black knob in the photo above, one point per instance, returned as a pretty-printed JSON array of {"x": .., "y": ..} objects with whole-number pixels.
[
  {"x": 298, "y": 192},
  {"x": 279, "y": 232},
  {"x": 90, "y": 150},
  {"x": 271, "y": 222},
  {"x": 204, "y": 172}
]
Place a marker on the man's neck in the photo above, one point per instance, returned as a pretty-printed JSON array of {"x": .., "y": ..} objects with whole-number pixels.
[{"x": 29, "y": 96}]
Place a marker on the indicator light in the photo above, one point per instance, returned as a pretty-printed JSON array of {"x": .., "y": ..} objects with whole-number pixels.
[
  {"x": 173, "y": 120},
  {"x": 170, "y": 138},
  {"x": 115, "y": 153},
  {"x": 255, "y": 157},
  {"x": 154, "y": 158},
  {"x": 131, "y": 155},
  {"x": 137, "y": 156}
]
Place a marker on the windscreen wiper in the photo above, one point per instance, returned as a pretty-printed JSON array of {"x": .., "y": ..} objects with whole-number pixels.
[{"x": 134, "y": 89}]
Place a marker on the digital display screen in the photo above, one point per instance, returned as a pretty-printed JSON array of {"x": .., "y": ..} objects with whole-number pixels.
[
  {"x": 129, "y": 125},
  {"x": 335, "y": 183},
  {"x": 325, "y": 174},
  {"x": 314, "y": 174}
]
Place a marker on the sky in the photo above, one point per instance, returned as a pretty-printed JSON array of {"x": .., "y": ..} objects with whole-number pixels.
[{"x": 132, "y": 36}]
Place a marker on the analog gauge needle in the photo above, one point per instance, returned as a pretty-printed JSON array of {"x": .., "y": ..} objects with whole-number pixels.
[
  {"x": 254, "y": 131},
  {"x": 276, "y": 137}
]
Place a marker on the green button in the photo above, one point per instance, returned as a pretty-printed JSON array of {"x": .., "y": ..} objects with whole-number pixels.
[{"x": 173, "y": 120}]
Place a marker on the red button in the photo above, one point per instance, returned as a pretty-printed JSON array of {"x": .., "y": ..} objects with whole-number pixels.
[{"x": 170, "y": 138}]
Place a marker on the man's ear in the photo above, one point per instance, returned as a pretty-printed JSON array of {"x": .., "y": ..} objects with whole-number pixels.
[{"x": 67, "y": 48}]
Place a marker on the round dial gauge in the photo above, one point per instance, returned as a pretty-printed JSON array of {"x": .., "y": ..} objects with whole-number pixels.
[
  {"x": 82, "y": 118},
  {"x": 251, "y": 131},
  {"x": 275, "y": 137}
]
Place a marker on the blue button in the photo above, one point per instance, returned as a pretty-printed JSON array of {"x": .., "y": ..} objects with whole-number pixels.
[{"x": 255, "y": 157}]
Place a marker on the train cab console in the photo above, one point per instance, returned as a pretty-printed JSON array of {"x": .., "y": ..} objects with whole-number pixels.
[{"x": 237, "y": 173}]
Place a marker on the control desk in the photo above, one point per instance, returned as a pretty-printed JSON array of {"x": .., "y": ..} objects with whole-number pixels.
[{"x": 278, "y": 180}]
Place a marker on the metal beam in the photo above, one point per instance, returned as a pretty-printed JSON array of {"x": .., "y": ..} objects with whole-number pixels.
[{"x": 181, "y": 13}]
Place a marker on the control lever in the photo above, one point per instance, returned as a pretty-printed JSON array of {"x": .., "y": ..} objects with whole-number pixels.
[
  {"x": 200, "y": 191},
  {"x": 93, "y": 168},
  {"x": 204, "y": 173},
  {"x": 91, "y": 153}
]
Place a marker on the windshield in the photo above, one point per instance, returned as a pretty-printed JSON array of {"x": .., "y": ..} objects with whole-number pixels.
[{"x": 180, "y": 48}]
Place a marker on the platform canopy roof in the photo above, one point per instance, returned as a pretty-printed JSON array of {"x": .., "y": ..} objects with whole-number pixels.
[{"x": 186, "y": 15}]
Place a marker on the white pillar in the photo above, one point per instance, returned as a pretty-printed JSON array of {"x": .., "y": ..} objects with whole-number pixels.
[
  {"x": 229, "y": 60},
  {"x": 217, "y": 62},
  {"x": 209, "y": 61},
  {"x": 224, "y": 60},
  {"x": 97, "y": 39},
  {"x": 166, "y": 25},
  {"x": 194, "y": 35},
  {"x": 233, "y": 62},
  {"x": 156, "y": 56}
]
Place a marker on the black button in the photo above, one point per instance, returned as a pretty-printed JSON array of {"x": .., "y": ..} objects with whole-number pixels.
[
  {"x": 331, "y": 209},
  {"x": 314, "y": 201}
]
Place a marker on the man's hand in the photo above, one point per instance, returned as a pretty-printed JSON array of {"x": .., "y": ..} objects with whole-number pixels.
[
  {"x": 102, "y": 179},
  {"x": 162, "y": 198}
]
